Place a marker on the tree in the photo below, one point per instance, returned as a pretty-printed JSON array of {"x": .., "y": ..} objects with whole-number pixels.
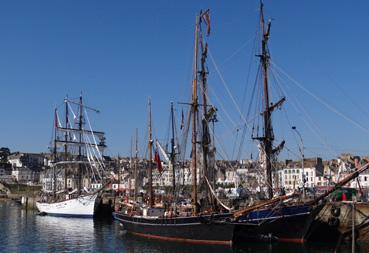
[{"x": 4, "y": 154}]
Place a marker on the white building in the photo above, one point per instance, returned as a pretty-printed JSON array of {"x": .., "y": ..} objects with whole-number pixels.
[
  {"x": 26, "y": 167},
  {"x": 294, "y": 175},
  {"x": 26, "y": 175}
]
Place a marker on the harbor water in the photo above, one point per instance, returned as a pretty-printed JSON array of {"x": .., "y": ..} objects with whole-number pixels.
[{"x": 25, "y": 231}]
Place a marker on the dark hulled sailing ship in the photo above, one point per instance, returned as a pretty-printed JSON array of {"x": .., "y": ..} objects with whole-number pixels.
[
  {"x": 273, "y": 219},
  {"x": 195, "y": 226},
  {"x": 282, "y": 218}
]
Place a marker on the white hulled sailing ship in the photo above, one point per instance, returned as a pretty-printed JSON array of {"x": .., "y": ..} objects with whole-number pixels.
[{"x": 75, "y": 176}]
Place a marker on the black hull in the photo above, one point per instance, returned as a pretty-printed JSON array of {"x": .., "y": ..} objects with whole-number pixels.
[
  {"x": 291, "y": 226},
  {"x": 198, "y": 230},
  {"x": 321, "y": 232}
]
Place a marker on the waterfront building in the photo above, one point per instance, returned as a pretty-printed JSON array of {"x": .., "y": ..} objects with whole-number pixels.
[
  {"x": 292, "y": 176},
  {"x": 26, "y": 167}
]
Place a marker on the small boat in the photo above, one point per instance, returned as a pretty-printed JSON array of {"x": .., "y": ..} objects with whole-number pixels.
[{"x": 77, "y": 164}]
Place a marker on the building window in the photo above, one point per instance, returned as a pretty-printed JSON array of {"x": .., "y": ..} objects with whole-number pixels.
[{"x": 365, "y": 178}]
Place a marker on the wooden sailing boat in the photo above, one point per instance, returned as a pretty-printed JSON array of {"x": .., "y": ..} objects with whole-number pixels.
[
  {"x": 195, "y": 228},
  {"x": 77, "y": 163},
  {"x": 274, "y": 219}
]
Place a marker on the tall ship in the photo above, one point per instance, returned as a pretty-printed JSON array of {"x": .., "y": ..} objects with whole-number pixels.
[
  {"x": 278, "y": 216},
  {"x": 184, "y": 219},
  {"x": 75, "y": 175}
]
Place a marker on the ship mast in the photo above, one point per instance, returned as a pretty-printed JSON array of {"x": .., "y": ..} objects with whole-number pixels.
[
  {"x": 173, "y": 152},
  {"x": 208, "y": 114},
  {"x": 194, "y": 109},
  {"x": 54, "y": 172},
  {"x": 62, "y": 137},
  {"x": 66, "y": 140},
  {"x": 130, "y": 171},
  {"x": 80, "y": 125},
  {"x": 66, "y": 126},
  {"x": 268, "y": 138},
  {"x": 151, "y": 199},
  {"x": 136, "y": 165}
]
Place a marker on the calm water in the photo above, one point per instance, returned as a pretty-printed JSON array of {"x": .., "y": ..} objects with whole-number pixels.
[{"x": 22, "y": 231}]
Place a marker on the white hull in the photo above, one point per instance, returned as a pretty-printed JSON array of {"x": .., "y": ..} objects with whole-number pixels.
[{"x": 82, "y": 206}]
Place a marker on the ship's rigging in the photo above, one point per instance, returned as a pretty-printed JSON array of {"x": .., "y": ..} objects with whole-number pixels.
[{"x": 77, "y": 149}]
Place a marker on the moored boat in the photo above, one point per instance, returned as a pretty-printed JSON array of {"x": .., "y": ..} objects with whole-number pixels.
[
  {"x": 200, "y": 225},
  {"x": 289, "y": 224},
  {"x": 81, "y": 206},
  {"x": 77, "y": 164},
  {"x": 206, "y": 229}
]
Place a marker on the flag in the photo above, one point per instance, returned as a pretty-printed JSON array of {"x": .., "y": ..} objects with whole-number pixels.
[
  {"x": 207, "y": 21},
  {"x": 158, "y": 162}
]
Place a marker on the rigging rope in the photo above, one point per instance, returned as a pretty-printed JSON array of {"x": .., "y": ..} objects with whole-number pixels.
[
  {"x": 226, "y": 87},
  {"x": 93, "y": 154},
  {"x": 320, "y": 100},
  {"x": 215, "y": 196},
  {"x": 307, "y": 119},
  {"x": 93, "y": 136}
]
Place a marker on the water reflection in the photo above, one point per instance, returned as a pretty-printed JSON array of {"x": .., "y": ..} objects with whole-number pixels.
[
  {"x": 24, "y": 231},
  {"x": 64, "y": 234},
  {"x": 135, "y": 244}
]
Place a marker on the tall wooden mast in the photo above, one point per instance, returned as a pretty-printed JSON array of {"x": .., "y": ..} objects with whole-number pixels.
[
  {"x": 173, "y": 152},
  {"x": 268, "y": 136},
  {"x": 206, "y": 113},
  {"x": 80, "y": 125},
  {"x": 66, "y": 126},
  {"x": 136, "y": 166},
  {"x": 150, "y": 142},
  {"x": 194, "y": 108},
  {"x": 66, "y": 140},
  {"x": 130, "y": 172},
  {"x": 55, "y": 153}
]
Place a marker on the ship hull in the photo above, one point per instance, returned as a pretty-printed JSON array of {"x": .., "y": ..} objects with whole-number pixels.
[
  {"x": 285, "y": 224},
  {"x": 330, "y": 225},
  {"x": 82, "y": 207},
  {"x": 196, "y": 230}
]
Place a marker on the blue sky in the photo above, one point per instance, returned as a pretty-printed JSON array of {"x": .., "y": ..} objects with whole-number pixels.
[{"x": 119, "y": 53}]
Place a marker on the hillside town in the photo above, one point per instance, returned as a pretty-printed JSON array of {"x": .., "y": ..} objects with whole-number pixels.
[{"x": 313, "y": 174}]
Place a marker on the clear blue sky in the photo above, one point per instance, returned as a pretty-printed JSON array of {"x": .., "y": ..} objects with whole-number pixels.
[{"x": 118, "y": 53}]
